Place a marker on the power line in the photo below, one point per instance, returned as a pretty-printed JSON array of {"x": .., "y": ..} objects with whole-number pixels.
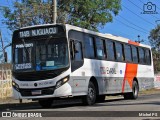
[
  {"x": 141, "y": 8},
  {"x": 133, "y": 24},
  {"x": 131, "y": 27},
  {"x": 116, "y": 30},
  {"x": 138, "y": 16}
]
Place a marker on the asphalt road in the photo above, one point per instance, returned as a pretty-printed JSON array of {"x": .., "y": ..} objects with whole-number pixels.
[{"x": 113, "y": 109}]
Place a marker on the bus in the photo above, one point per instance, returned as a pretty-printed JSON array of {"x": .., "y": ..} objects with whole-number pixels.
[{"x": 63, "y": 61}]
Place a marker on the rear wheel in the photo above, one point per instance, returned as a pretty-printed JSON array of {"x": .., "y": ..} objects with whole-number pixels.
[
  {"x": 90, "y": 98},
  {"x": 46, "y": 103},
  {"x": 134, "y": 93}
]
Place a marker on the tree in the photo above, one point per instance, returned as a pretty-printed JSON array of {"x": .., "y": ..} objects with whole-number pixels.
[
  {"x": 89, "y": 14},
  {"x": 156, "y": 60},
  {"x": 155, "y": 37},
  {"x": 155, "y": 42}
]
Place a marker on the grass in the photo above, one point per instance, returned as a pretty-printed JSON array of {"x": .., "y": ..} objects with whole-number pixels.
[{"x": 149, "y": 91}]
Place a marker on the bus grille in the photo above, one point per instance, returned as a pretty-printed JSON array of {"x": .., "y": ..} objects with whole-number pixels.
[{"x": 44, "y": 91}]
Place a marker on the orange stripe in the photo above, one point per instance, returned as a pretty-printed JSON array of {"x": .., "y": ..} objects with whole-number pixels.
[
  {"x": 130, "y": 73},
  {"x": 131, "y": 70},
  {"x": 133, "y": 43}
]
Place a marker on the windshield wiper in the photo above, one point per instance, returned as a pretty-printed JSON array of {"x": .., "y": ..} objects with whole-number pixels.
[{"x": 48, "y": 39}]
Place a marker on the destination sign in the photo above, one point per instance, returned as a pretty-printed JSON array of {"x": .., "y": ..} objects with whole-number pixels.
[{"x": 38, "y": 32}]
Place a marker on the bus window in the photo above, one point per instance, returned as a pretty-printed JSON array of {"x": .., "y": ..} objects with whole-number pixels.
[
  {"x": 110, "y": 50},
  {"x": 128, "y": 55},
  {"x": 23, "y": 55},
  {"x": 78, "y": 51},
  {"x": 119, "y": 52},
  {"x": 100, "y": 49},
  {"x": 134, "y": 54},
  {"x": 141, "y": 55},
  {"x": 147, "y": 57},
  {"x": 89, "y": 47}
]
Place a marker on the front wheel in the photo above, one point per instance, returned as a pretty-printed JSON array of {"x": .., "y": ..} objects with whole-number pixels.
[
  {"x": 134, "y": 93},
  {"x": 90, "y": 98}
]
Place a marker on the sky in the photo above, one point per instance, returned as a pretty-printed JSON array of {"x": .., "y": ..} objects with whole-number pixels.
[{"x": 129, "y": 23}]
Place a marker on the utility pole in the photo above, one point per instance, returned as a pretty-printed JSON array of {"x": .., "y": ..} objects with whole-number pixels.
[
  {"x": 20, "y": 18},
  {"x": 3, "y": 50},
  {"x": 54, "y": 11}
]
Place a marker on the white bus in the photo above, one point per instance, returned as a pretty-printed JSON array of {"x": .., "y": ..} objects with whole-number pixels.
[{"x": 55, "y": 60}]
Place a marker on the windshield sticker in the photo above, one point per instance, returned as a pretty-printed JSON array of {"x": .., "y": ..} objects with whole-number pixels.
[
  {"x": 23, "y": 66},
  {"x": 38, "y": 32},
  {"x": 38, "y": 67},
  {"x": 25, "y": 45},
  {"x": 50, "y": 63}
]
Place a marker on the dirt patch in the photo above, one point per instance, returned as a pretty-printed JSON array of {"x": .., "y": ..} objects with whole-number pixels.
[{"x": 150, "y": 91}]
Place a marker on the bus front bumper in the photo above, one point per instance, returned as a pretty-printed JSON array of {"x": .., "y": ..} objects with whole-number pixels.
[{"x": 50, "y": 92}]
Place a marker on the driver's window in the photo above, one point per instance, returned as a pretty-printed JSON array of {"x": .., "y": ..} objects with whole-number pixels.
[{"x": 78, "y": 51}]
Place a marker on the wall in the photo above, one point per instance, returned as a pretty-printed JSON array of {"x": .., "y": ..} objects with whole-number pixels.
[
  {"x": 5, "y": 81},
  {"x": 157, "y": 81}
]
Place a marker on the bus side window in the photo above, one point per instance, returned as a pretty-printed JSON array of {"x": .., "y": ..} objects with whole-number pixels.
[
  {"x": 72, "y": 49},
  {"x": 147, "y": 56},
  {"x": 134, "y": 54},
  {"x": 141, "y": 55},
  {"x": 110, "y": 48},
  {"x": 128, "y": 55},
  {"x": 89, "y": 47},
  {"x": 78, "y": 51},
  {"x": 100, "y": 49},
  {"x": 119, "y": 51}
]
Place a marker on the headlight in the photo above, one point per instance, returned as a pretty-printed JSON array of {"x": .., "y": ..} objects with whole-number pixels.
[
  {"x": 61, "y": 82},
  {"x": 15, "y": 85}
]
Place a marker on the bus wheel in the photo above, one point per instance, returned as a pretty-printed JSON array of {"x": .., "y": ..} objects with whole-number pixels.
[
  {"x": 100, "y": 98},
  {"x": 46, "y": 103},
  {"x": 90, "y": 98},
  {"x": 134, "y": 93}
]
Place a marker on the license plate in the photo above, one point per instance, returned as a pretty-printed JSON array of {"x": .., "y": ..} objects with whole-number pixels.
[{"x": 36, "y": 92}]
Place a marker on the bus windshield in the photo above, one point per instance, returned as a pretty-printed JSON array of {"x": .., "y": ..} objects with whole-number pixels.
[
  {"x": 52, "y": 54},
  {"x": 41, "y": 55}
]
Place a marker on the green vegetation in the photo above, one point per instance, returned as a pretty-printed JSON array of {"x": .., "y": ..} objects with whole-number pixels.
[
  {"x": 89, "y": 14},
  {"x": 155, "y": 42}
]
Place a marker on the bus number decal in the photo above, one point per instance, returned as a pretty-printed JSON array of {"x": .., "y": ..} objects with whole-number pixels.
[
  {"x": 23, "y": 66},
  {"x": 107, "y": 70}
]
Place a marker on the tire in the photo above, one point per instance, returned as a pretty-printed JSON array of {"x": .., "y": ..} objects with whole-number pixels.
[
  {"x": 46, "y": 103},
  {"x": 134, "y": 93},
  {"x": 90, "y": 98},
  {"x": 100, "y": 98}
]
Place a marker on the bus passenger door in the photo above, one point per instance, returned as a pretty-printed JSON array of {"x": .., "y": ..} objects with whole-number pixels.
[
  {"x": 76, "y": 55},
  {"x": 77, "y": 76}
]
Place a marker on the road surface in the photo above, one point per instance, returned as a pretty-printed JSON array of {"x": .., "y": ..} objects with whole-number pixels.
[{"x": 117, "y": 108}]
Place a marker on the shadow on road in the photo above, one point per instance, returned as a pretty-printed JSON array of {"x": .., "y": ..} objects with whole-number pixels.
[{"x": 57, "y": 104}]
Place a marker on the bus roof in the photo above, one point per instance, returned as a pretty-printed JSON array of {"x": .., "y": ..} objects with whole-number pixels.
[{"x": 106, "y": 35}]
